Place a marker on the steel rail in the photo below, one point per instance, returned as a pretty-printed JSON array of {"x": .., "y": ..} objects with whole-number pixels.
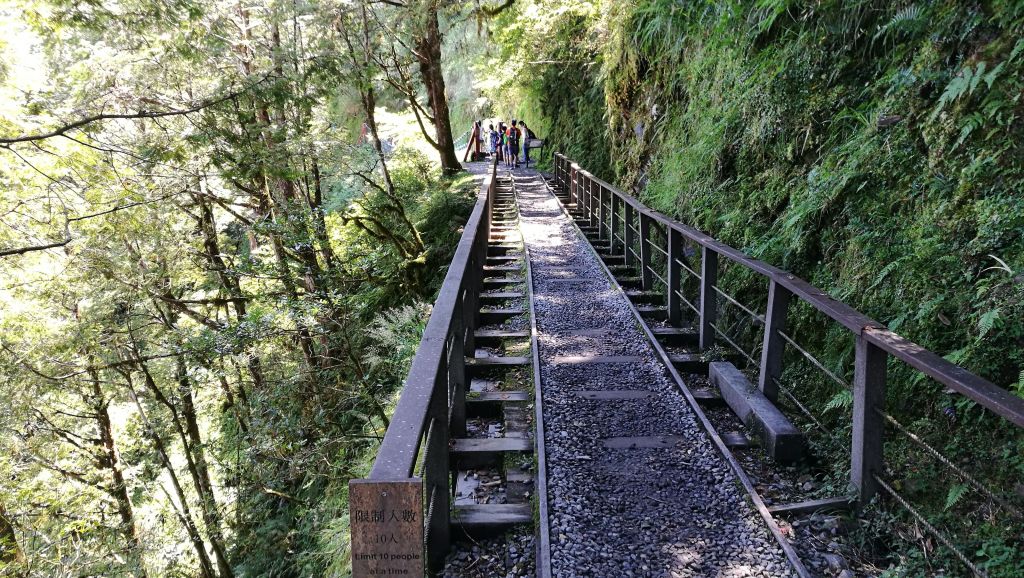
[
  {"x": 948, "y": 463},
  {"x": 687, "y": 268},
  {"x": 803, "y": 409},
  {"x": 687, "y": 302},
  {"x": 738, "y": 349},
  {"x": 660, "y": 278},
  {"x": 543, "y": 562}
]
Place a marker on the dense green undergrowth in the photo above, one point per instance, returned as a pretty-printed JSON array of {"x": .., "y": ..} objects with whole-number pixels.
[
  {"x": 872, "y": 148},
  {"x": 389, "y": 317}
]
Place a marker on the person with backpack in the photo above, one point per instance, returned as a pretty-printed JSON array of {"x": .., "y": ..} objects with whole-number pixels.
[{"x": 513, "y": 144}]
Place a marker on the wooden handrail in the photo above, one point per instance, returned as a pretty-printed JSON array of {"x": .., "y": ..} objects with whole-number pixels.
[
  {"x": 396, "y": 457},
  {"x": 431, "y": 407},
  {"x": 974, "y": 387},
  {"x": 874, "y": 342}
]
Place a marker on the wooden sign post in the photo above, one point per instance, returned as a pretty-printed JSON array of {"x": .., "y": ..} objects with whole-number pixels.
[{"x": 386, "y": 520}]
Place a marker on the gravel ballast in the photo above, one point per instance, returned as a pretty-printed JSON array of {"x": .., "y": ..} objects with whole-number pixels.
[{"x": 668, "y": 511}]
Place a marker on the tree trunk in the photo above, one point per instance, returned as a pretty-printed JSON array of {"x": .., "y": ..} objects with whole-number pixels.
[
  {"x": 185, "y": 513},
  {"x": 429, "y": 49},
  {"x": 201, "y": 473},
  {"x": 229, "y": 283},
  {"x": 118, "y": 488},
  {"x": 192, "y": 447},
  {"x": 9, "y": 550}
]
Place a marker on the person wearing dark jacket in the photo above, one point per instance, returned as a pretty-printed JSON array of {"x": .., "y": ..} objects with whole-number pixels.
[
  {"x": 512, "y": 138},
  {"x": 494, "y": 138},
  {"x": 527, "y": 137}
]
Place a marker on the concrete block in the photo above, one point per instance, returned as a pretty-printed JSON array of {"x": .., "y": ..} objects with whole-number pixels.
[{"x": 781, "y": 439}]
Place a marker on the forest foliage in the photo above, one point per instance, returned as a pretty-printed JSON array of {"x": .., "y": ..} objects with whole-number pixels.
[
  {"x": 214, "y": 254},
  {"x": 872, "y": 148},
  {"x": 219, "y": 229}
]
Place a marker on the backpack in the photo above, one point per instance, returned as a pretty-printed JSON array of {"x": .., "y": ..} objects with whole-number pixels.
[{"x": 513, "y": 136}]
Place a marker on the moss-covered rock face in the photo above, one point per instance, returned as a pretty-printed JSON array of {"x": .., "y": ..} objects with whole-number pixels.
[{"x": 873, "y": 148}]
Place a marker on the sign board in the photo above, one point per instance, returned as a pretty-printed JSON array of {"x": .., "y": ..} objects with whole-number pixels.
[{"x": 386, "y": 519}]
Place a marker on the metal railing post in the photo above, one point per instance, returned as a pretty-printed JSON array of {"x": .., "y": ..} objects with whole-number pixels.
[
  {"x": 708, "y": 298},
  {"x": 773, "y": 346},
  {"x": 674, "y": 278},
  {"x": 867, "y": 457}
]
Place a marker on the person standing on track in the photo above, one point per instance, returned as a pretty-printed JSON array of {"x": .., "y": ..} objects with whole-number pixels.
[
  {"x": 513, "y": 144},
  {"x": 493, "y": 138},
  {"x": 501, "y": 142},
  {"x": 527, "y": 137}
]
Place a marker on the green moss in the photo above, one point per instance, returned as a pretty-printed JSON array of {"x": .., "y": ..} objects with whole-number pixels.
[{"x": 872, "y": 149}]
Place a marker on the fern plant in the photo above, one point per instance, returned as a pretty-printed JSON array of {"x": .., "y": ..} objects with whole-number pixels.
[
  {"x": 395, "y": 336},
  {"x": 955, "y": 494},
  {"x": 905, "y": 22}
]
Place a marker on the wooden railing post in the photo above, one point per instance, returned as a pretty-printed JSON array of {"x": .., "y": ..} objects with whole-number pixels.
[
  {"x": 584, "y": 187},
  {"x": 602, "y": 211},
  {"x": 471, "y": 310},
  {"x": 628, "y": 235},
  {"x": 613, "y": 202},
  {"x": 708, "y": 298},
  {"x": 574, "y": 183},
  {"x": 773, "y": 346},
  {"x": 565, "y": 177},
  {"x": 646, "y": 276},
  {"x": 584, "y": 202},
  {"x": 674, "y": 278},
  {"x": 867, "y": 456},
  {"x": 559, "y": 173},
  {"x": 457, "y": 379},
  {"x": 594, "y": 201},
  {"x": 591, "y": 208},
  {"x": 436, "y": 479}
]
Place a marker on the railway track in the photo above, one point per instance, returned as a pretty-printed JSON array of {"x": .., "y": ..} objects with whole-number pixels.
[
  {"x": 640, "y": 479},
  {"x": 565, "y": 415}
]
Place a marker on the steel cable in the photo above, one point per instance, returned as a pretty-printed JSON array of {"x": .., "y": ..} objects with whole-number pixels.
[{"x": 934, "y": 531}]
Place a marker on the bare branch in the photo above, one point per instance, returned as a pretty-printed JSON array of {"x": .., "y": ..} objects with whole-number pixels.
[
  {"x": 6, "y": 142},
  {"x": 32, "y": 248},
  {"x": 495, "y": 10}
]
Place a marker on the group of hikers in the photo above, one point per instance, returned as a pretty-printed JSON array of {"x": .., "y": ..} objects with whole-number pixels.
[{"x": 508, "y": 140}]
